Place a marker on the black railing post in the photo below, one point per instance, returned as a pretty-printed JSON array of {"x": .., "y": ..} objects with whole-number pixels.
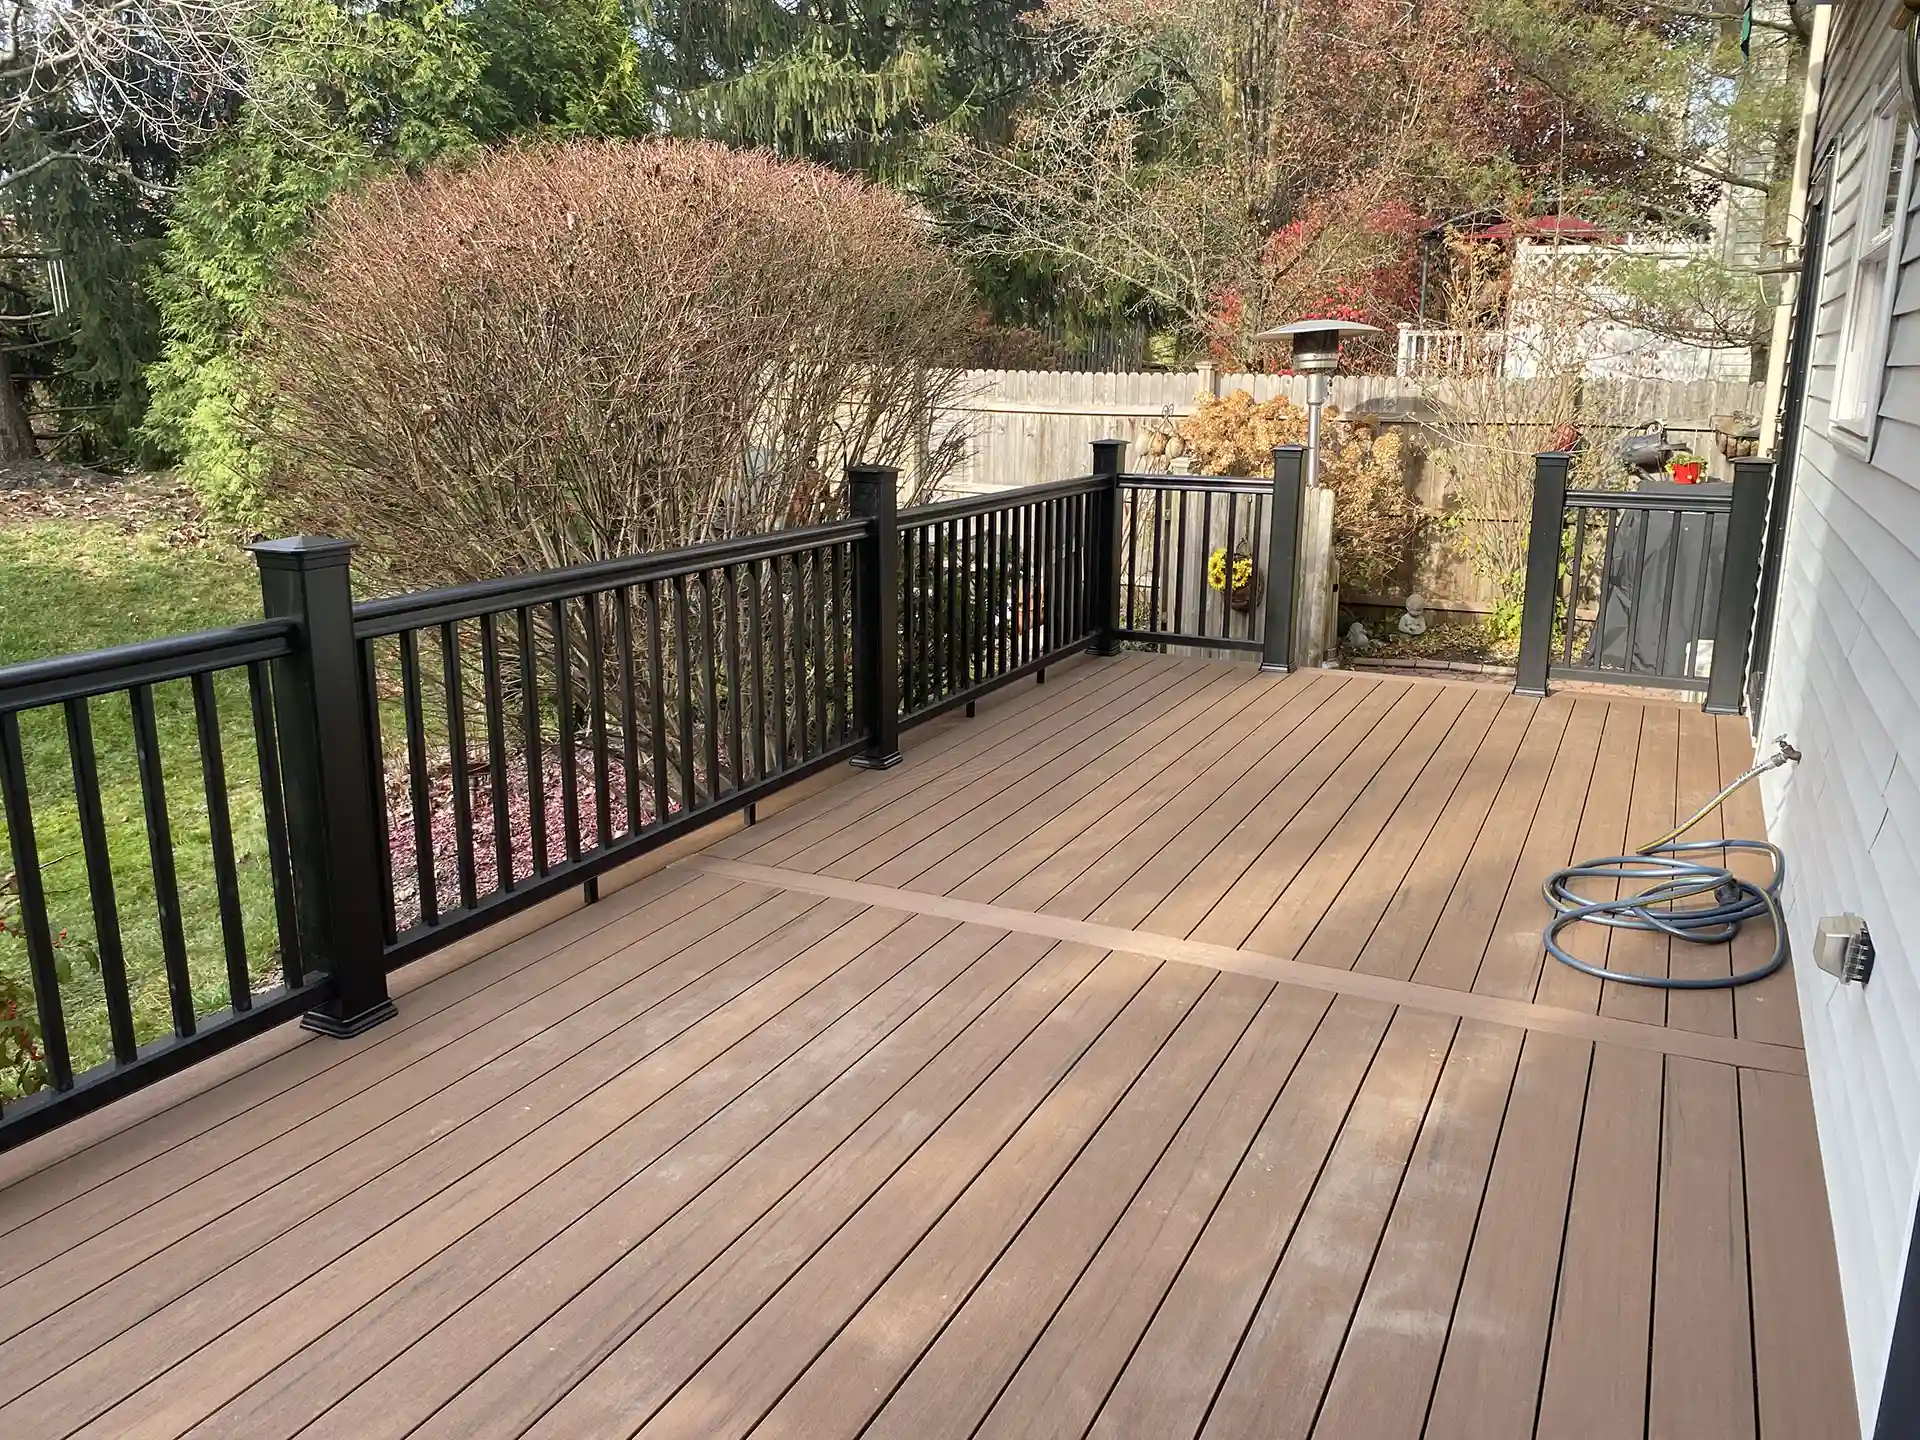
[
  {"x": 1739, "y": 587},
  {"x": 1283, "y": 556},
  {"x": 1109, "y": 460},
  {"x": 873, "y": 493},
  {"x": 1538, "y": 602},
  {"x": 334, "y": 837}
]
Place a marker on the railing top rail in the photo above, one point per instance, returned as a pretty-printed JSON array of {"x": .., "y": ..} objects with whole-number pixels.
[
  {"x": 374, "y": 618},
  {"x": 1000, "y": 499},
  {"x": 1708, "y": 496},
  {"x": 1227, "y": 484},
  {"x": 34, "y": 683}
]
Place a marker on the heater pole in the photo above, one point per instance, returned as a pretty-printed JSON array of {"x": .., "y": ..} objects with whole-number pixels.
[{"x": 1318, "y": 385}]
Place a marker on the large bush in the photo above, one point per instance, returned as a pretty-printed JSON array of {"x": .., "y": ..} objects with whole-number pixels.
[{"x": 563, "y": 353}]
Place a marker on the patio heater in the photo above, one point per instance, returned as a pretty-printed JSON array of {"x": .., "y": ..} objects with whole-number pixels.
[{"x": 1316, "y": 354}]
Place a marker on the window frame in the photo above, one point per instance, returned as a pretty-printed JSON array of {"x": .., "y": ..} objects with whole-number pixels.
[{"x": 1865, "y": 338}]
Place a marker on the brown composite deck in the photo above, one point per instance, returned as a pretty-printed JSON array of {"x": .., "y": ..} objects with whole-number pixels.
[{"x": 1165, "y": 1052}]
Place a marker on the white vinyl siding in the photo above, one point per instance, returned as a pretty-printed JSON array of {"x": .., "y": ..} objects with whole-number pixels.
[{"x": 1844, "y": 684}]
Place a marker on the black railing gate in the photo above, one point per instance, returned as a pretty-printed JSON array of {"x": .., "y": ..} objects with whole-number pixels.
[{"x": 1653, "y": 586}]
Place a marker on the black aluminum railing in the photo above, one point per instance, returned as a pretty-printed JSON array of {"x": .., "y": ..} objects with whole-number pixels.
[
  {"x": 1651, "y": 586},
  {"x": 531, "y": 734},
  {"x": 994, "y": 587},
  {"x": 377, "y": 780},
  {"x": 87, "y": 917}
]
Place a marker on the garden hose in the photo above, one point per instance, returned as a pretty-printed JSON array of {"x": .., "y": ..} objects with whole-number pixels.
[{"x": 1727, "y": 901}]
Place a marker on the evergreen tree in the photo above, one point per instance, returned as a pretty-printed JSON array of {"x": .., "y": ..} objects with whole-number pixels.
[
  {"x": 859, "y": 84},
  {"x": 95, "y": 103},
  {"x": 340, "y": 93},
  {"x": 344, "y": 93}
]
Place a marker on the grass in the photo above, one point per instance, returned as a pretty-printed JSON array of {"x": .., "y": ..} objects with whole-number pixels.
[{"x": 84, "y": 583}]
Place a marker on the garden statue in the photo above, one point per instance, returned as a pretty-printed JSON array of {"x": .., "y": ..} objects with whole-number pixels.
[
  {"x": 1357, "y": 637},
  {"x": 1414, "y": 622}
]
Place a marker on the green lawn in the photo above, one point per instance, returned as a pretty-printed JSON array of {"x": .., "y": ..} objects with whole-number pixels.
[{"x": 78, "y": 584}]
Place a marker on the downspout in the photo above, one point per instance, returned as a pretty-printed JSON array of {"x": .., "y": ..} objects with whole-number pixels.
[{"x": 1796, "y": 229}]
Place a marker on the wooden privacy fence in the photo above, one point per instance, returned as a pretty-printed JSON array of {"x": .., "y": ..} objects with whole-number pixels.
[
  {"x": 1652, "y": 586},
  {"x": 429, "y": 764},
  {"x": 1021, "y": 423},
  {"x": 1014, "y": 424}
]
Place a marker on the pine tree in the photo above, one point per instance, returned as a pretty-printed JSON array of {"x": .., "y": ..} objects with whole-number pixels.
[
  {"x": 95, "y": 103},
  {"x": 860, "y": 84}
]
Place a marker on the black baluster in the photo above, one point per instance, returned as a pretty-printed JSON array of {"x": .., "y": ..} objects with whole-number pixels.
[
  {"x": 423, "y": 858},
  {"x": 99, "y": 860},
  {"x": 756, "y": 644},
  {"x": 492, "y": 699},
  {"x": 682, "y": 625},
  {"x": 709, "y": 665},
  {"x": 453, "y": 688},
  {"x": 591, "y": 614},
  {"x": 777, "y": 661},
  {"x": 569, "y": 739},
  {"x": 266, "y": 746},
  {"x": 531, "y": 740},
  {"x": 1573, "y": 585},
  {"x": 166, "y": 884},
  {"x": 622, "y": 602},
  {"x": 1182, "y": 556},
  {"x": 42, "y": 966},
  {"x": 226, "y": 874},
  {"x": 736, "y": 763},
  {"x": 377, "y": 762},
  {"x": 657, "y": 715}
]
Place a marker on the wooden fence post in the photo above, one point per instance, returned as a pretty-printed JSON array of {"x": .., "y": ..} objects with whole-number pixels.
[
  {"x": 873, "y": 492},
  {"x": 1540, "y": 599},
  {"x": 1283, "y": 556},
  {"x": 1109, "y": 461},
  {"x": 330, "y": 778},
  {"x": 1739, "y": 587}
]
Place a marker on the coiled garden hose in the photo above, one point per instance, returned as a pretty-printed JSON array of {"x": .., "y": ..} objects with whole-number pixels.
[{"x": 1728, "y": 901}]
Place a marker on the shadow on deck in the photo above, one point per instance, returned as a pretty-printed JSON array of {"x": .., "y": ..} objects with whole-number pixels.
[{"x": 1165, "y": 1052}]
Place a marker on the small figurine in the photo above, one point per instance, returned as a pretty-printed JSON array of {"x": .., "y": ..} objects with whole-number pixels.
[
  {"x": 1357, "y": 638},
  {"x": 1414, "y": 622}
]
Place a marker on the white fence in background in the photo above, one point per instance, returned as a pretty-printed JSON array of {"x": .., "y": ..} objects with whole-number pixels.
[{"x": 1424, "y": 354}]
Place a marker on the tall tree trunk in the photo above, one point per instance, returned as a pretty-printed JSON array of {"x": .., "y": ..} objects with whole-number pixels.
[{"x": 16, "y": 430}]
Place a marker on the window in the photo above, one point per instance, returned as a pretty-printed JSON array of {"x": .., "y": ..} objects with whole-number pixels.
[{"x": 1880, "y": 151}]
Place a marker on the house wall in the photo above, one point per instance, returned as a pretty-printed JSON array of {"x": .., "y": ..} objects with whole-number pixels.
[{"x": 1844, "y": 684}]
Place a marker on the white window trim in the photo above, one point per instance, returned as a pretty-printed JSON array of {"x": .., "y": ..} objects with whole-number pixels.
[{"x": 1866, "y": 345}]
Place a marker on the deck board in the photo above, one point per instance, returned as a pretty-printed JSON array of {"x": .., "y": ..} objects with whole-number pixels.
[{"x": 998, "y": 1095}]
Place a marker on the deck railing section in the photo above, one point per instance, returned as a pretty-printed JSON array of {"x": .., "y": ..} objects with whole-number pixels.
[
  {"x": 417, "y": 768},
  {"x": 86, "y": 890},
  {"x": 1652, "y": 586},
  {"x": 531, "y": 733},
  {"x": 1210, "y": 560},
  {"x": 994, "y": 587}
]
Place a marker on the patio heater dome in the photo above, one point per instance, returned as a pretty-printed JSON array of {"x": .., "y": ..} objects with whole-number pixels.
[
  {"x": 1316, "y": 355},
  {"x": 1316, "y": 343}
]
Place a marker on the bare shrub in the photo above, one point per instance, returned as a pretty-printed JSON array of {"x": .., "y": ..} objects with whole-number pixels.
[
  {"x": 559, "y": 354},
  {"x": 1520, "y": 390}
]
